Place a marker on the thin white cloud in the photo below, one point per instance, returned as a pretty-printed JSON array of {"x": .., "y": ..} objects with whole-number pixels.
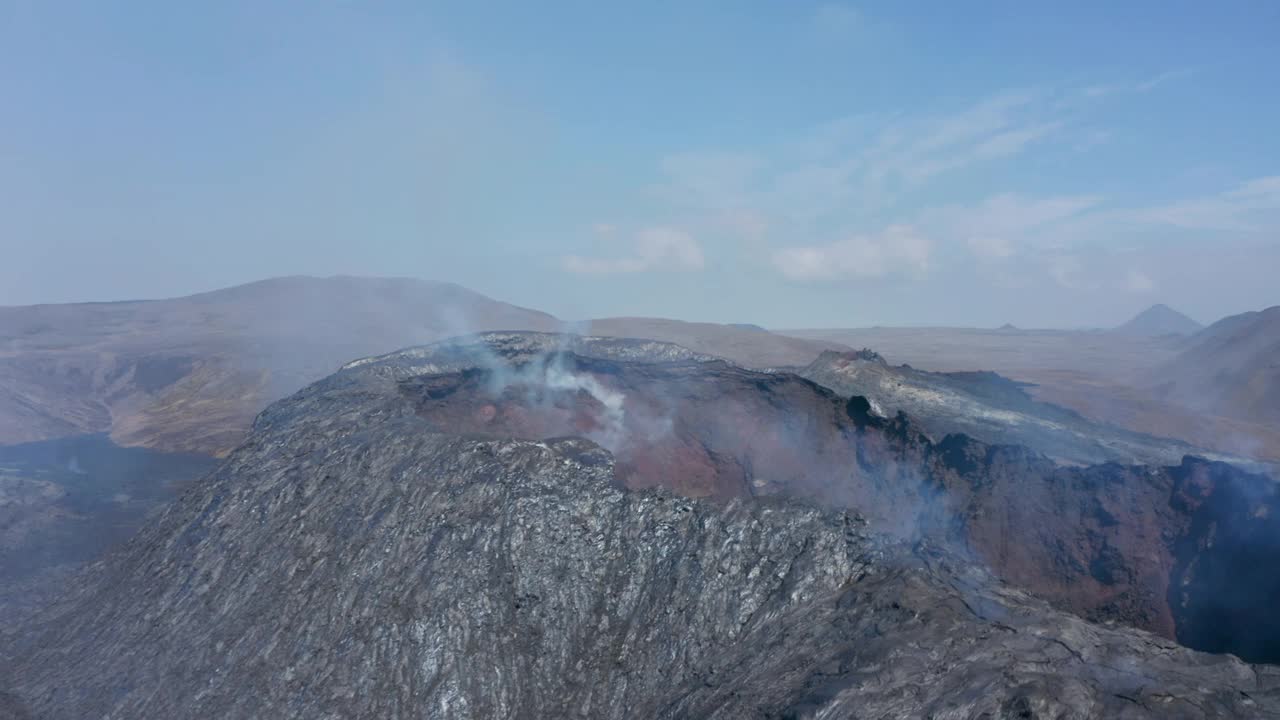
[
  {"x": 835, "y": 17},
  {"x": 1142, "y": 86},
  {"x": 1164, "y": 77},
  {"x": 1092, "y": 139},
  {"x": 855, "y": 165},
  {"x": 1065, "y": 270},
  {"x": 851, "y": 175},
  {"x": 1012, "y": 142},
  {"x": 1098, "y": 91},
  {"x": 992, "y": 115},
  {"x": 656, "y": 249},
  {"x": 718, "y": 179},
  {"x": 918, "y": 149},
  {"x": 744, "y": 224},
  {"x": 1138, "y": 282},
  {"x": 1254, "y": 205},
  {"x": 999, "y": 226},
  {"x": 990, "y": 247},
  {"x": 898, "y": 249},
  {"x": 1014, "y": 213}
]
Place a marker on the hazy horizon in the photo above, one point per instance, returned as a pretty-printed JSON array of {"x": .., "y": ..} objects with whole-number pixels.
[
  {"x": 798, "y": 165},
  {"x": 572, "y": 324}
]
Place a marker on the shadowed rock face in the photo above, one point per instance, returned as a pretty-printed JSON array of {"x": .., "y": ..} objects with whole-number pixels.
[
  {"x": 1121, "y": 543},
  {"x": 1226, "y": 589},
  {"x": 376, "y": 549}
]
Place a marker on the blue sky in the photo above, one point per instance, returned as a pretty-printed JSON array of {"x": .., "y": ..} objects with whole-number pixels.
[{"x": 791, "y": 164}]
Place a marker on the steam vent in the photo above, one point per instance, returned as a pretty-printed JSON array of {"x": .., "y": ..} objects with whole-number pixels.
[{"x": 538, "y": 525}]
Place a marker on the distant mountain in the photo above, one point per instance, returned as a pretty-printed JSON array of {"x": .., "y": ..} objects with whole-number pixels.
[
  {"x": 188, "y": 374},
  {"x": 1160, "y": 320},
  {"x": 1231, "y": 368}
]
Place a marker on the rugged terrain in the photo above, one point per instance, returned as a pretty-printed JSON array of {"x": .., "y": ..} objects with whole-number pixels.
[
  {"x": 1011, "y": 352},
  {"x": 409, "y": 538},
  {"x": 1110, "y": 377},
  {"x": 990, "y": 408}
]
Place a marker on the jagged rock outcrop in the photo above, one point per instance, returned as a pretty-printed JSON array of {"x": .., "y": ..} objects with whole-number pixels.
[{"x": 360, "y": 557}]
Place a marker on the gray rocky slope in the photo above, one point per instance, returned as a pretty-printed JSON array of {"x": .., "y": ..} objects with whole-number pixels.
[{"x": 351, "y": 560}]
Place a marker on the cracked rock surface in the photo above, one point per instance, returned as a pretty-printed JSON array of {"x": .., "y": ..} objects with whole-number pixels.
[{"x": 353, "y": 559}]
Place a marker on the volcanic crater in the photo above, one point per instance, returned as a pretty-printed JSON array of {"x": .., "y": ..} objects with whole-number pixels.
[
  {"x": 1111, "y": 542},
  {"x": 701, "y": 429}
]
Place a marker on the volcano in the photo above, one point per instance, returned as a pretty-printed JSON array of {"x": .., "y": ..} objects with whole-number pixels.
[
  {"x": 1112, "y": 542},
  {"x": 532, "y": 525}
]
